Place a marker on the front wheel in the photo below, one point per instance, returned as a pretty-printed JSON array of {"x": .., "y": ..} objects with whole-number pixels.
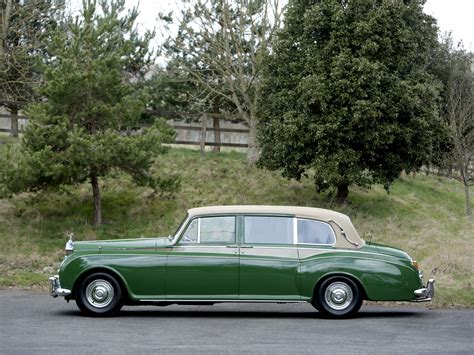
[
  {"x": 337, "y": 297},
  {"x": 99, "y": 295}
]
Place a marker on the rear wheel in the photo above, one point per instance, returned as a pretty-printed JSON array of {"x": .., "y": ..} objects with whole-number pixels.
[
  {"x": 99, "y": 295},
  {"x": 338, "y": 297}
]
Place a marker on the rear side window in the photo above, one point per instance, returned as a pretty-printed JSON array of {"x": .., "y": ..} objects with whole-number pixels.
[
  {"x": 268, "y": 230},
  {"x": 315, "y": 232}
]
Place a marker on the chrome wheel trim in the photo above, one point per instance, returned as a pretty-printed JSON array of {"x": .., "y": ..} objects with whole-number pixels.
[
  {"x": 100, "y": 293},
  {"x": 338, "y": 295}
]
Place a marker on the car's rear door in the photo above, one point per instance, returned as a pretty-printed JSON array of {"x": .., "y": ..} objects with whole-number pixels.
[
  {"x": 204, "y": 264},
  {"x": 268, "y": 259}
]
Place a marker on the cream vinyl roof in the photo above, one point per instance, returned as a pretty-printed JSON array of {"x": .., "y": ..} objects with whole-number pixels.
[{"x": 332, "y": 217}]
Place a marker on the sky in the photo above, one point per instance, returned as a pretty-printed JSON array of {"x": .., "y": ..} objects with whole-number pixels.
[{"x": 456, "y": 16}]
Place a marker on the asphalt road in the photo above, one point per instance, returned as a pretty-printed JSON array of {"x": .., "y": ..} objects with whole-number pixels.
[{"x": 36, "y": 323}]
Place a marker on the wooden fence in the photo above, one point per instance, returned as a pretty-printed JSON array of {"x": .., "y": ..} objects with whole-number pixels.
[{"x": 236, "y": 131}]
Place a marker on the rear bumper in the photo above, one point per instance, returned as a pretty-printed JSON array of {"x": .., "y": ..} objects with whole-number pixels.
[
  {"x": 426, "y": 293},
  {"x": 55, "y": 287}
]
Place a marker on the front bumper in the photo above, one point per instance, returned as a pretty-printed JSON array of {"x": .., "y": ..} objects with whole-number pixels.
[
  {"x": 55, "y": 287},
  {"x": 426, "y": 293}
]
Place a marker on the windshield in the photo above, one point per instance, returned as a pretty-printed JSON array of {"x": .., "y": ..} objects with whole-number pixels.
[{"x": 179, "y": 227}]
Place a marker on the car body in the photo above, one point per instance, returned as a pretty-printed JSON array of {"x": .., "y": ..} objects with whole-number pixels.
[{"x": 242, "y": 254}]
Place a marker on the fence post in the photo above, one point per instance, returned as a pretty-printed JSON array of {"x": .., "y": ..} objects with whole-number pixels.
[
  {"x": 14, "y": 122},
  {"x": 203, "y": 133},
  {"x": 217, "y": 134}
]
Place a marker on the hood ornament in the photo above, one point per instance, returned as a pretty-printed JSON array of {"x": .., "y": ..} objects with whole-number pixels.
[{"x": 70, "y": 244}]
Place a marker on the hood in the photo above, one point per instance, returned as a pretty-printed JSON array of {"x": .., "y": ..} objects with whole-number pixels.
[{"x": 122, "y": 244}]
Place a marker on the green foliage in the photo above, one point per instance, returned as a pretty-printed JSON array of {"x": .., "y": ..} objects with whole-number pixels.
[
  {"x": 346, "y": 94},
  {"x": 78, "y": 131},
  {"x": 24, "y": 33}
]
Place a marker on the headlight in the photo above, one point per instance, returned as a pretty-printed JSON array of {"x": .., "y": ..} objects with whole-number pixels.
[{"x": 417, "y": 267}]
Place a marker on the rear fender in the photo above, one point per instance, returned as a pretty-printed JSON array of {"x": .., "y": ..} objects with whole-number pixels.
[{"x": 382, "y": 280}]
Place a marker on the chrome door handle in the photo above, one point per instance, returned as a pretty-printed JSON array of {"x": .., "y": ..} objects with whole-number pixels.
[
  {"x": 231, "y": 246},
  {"x": 246, "y": 246}
]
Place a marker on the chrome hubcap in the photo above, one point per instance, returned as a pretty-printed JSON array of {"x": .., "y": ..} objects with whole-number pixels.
[
  {"x": 99, "y": 293},
  {"x": 338, "y": 295}
]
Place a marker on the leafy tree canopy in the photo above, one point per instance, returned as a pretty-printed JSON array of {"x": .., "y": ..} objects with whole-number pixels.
[
  {"x": 346, "y": 93},
  {"x": 218, "y": 49},
  {"x": 25, "y": 28},
  {"x": 76, "y": 133}
]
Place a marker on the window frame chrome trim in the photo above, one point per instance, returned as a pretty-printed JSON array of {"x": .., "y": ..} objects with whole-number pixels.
[
  {"x": 283, "y": 245},
  {"x": 199, "y": 231},
  {"x": 179, "y": 234},
  {"x": 295, "y": 230}
]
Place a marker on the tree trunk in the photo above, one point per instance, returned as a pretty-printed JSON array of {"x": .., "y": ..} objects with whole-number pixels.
[
  {"x": 252, "y": 152},
  {"x": 217, "y": 134},
  {"x": 342, "y": 193},
  {"x": 14, "y": 122},
  {"x": 468, "y": 199},
  {"x": 97, "y": 199},
  {"x": 5, "y": 14}
]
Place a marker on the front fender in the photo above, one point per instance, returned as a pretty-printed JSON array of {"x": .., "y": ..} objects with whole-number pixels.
[{"x": 143, "y": 275}]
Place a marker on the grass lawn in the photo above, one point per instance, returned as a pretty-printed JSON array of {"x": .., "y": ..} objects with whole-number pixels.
[{"x": 423, "y": 215}]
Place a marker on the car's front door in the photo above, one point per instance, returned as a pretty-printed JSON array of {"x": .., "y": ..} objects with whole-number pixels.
[
  {"x": 204, "y": 264},
  {"x": 268, "y": 259}
]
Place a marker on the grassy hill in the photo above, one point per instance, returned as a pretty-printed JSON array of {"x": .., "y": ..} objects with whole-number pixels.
[{"x": 423, "y": 215}]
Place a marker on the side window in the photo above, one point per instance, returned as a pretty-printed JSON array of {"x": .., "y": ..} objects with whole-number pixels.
[
  {"x": 267, "y": 230},
  {"x": 217, "y": 230},
  {"x": 315, "y": 232},
  {"x": 210, "y": 230}
]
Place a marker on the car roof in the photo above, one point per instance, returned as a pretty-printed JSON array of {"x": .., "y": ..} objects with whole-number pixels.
[
  {"x": 266, "y": 209},
  {"x": 322, "y": 214}
]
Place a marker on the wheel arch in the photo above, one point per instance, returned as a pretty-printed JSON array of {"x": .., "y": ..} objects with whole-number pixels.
[
  {"x": 105, "y": 270},
  {"x": 340, "y": 274}
]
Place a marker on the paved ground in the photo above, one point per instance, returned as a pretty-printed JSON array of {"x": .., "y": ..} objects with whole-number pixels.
[{"x": 35, "y": 323}]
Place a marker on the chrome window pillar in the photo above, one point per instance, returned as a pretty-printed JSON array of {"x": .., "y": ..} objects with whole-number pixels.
[
  {"x": 295, "y": 230},
  {"x": 199, "y": 231}
]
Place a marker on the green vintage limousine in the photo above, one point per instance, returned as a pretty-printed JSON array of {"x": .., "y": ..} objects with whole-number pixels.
[{"x": 241, "y": 254}]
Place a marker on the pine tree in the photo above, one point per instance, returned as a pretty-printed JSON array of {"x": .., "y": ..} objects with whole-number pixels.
[{"x": 76, "y": 133}]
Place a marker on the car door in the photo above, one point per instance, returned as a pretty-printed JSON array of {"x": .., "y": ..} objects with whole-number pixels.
[
  {"x": 268, "y": 259},
  {"x": 315, "y": 240},
  {"x": 204, "y": 264}
]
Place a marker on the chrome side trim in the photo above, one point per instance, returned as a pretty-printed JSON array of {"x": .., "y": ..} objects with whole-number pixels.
[
  {"x": 343, "y": 250},
  {"x": 270, "y": 246},
  {"x": 55, "y": 287},
  {"x": 222, "y": 300}
]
